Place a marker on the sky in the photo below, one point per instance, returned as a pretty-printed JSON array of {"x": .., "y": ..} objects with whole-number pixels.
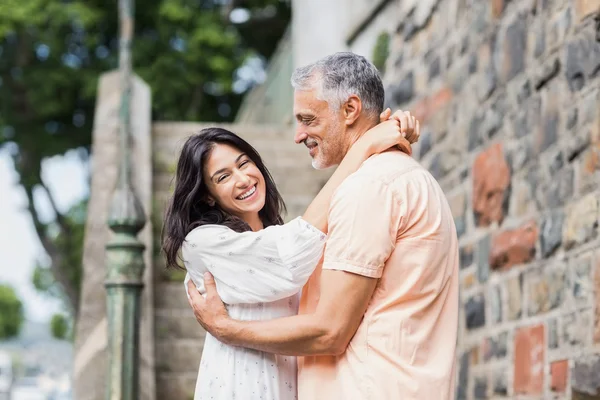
[{"x": 66, "y": 177}]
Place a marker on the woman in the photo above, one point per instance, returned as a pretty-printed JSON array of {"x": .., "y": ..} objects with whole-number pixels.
[{"x": 225, "y": 217}]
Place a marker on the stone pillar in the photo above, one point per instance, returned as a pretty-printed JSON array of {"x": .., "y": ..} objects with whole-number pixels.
[{"x": 90, "y": 364}]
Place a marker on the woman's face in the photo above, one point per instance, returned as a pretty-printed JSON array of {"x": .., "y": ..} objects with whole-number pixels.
[{"x": 234, "y": 182}]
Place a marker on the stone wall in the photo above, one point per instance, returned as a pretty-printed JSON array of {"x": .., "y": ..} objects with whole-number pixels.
[{"x": 509, "y": 95}]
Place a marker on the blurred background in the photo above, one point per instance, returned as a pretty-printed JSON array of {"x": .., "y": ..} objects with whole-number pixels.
[{"x": 508, "y": 95}]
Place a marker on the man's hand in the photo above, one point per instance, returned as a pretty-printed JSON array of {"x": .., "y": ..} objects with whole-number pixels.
[
  {"x": 210, "y": 312},
  {"x": 409, "y": 125}
]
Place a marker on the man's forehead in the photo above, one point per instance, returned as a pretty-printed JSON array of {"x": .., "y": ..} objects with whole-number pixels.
[{"x": 306, "y": 102}]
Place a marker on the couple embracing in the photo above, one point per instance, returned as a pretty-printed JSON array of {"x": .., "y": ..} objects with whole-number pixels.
[{"x": 355, "y": 299}]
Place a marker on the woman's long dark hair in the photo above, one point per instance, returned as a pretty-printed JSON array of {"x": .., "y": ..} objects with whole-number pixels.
[{"x": 188, "y": 208}]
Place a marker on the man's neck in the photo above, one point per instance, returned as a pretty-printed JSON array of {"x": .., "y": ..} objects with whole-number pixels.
[{"x": 356, "y": 132}]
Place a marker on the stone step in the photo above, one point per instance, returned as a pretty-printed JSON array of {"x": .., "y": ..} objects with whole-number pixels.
[
  {"x": 178, "y": 355},
  {"x": 177, "y": 324},
  {"x": 170, "y": 296},
  {"x": 177, "y": 385}
]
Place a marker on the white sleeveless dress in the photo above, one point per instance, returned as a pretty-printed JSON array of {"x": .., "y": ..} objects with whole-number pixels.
[{"x": 259, "y": 276}]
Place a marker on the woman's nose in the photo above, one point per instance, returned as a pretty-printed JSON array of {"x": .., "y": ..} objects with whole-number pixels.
[{"x": 243, "y": 180}]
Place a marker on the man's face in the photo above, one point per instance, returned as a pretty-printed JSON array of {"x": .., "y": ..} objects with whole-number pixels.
[{"x": 319, "y": 128}]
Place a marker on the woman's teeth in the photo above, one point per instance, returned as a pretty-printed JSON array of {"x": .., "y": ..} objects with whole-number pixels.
[{"x": 248, "y": 193}]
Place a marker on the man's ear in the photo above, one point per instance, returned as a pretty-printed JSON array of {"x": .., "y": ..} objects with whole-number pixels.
[{"x": 352, "y": 109}]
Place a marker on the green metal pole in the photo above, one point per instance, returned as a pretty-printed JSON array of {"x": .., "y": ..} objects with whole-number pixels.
[{"x": 124, "y": 252}]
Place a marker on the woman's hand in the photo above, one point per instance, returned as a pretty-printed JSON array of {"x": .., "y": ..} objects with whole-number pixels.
[
  {"x": 408, "y": 123},
  {"x": 400, "y": 129}
]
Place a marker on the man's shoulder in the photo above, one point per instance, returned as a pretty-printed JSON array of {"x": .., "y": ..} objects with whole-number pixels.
[{"x": 387, "y": 167}]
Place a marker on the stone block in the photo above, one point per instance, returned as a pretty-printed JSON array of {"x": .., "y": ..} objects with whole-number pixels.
[
  {"x": 559, "y": 26},
  {"x": 597, "y": 305},
  {"x": 178, "y": 356},
  {"x": 495, "y": 348},
  {"x": 475, "y": 312},
  {"x": 497, "y": 8},
  {"x": 589, "y": 109},
  {"x": 559, "y": 371},
  {"x": 475, "y": 136},
  {"x": 537, "y": 38},
  {"x": 466, "y": 256},
  {"x": 487, "y": 79},
  {"x": 514, "y": 289},
  {"x": 576, "y": 328},
  {"x": 546, "y": 291},
  {"x": 434, "y": 68},
  {"x": 555, "y": 162},
  {"x": 171, "y": 325},
  {"x": 480, "y": 387},
  {"x": 584, "y": 377},
  {"x": 546, "y": 72},
  {"x": 511, "y": 49},
  {"x": 404, "y": 91},
  {"x": 553, "y": 337},
  {"x": 171, "y": 296},
  {"x": 582, "y": 56},
  {"x": 469, "y": 280},
  {"x": 491, "y": 181},
  {"x": 500, "y": 382},
  {"x": 444, "y": 162},
  {"x": 430, "y": 106},
  {"x": 589, "y": 169},
  {"x": 495, "y": 298},
  {"x": 528, "y": 118},
  {"x": 551, "y": 233},
  {"x": 547, "y": 133},
  {"x": 580, "y": 281},
  {"x": 555, "y": 192},
  {"x": 514, "y": 247},
  {"x": 581, "y": 224},
  {"x": 520, "y": 155},
  {"x": 482, "y": 258},
  {"x": 175, "y": 386},
  {"x": 425, "y": 142},
  {"x": 522, "y": 201},
  {"x": 530, "y": 349},
  {"x": 585, "y": 8},
  {"x": 463, "y": 376}
]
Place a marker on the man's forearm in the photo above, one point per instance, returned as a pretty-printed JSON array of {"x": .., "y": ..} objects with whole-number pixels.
[{"x": 298, "y": 335}]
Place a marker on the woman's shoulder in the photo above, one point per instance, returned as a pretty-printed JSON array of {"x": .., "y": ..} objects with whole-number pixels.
[{"x": 209, "y": 231}]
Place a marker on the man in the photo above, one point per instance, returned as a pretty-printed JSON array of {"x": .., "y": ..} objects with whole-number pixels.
[{"x": 378, "y": 318}]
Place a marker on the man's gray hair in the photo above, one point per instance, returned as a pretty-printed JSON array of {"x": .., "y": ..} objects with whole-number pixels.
[{"x": 340, "y": 75}]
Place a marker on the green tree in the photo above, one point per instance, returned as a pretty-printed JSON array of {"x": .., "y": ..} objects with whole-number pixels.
[
  {"x": 52, "y": 53},
  {"x": 11, "y": 312},
  {"x": 59, "y": 326}
]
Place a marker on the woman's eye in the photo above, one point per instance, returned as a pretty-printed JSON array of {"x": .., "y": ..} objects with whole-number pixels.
[
  {"x": 221, "y": 178},
  {"x": 243, "y": 163}
]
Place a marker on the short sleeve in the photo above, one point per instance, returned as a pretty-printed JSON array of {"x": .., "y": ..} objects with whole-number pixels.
[
  {"x": 254, "y": 267},
  {"x": 363, "y": 224}
]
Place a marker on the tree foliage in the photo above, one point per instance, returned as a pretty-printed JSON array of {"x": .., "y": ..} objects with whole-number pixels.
[
  {"x": 52, "y": 53},
  {"x": 59, "y": 326},
  {"x": 11, "y": 312}
]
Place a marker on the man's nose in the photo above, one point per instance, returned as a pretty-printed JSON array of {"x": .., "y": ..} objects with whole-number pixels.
[{"x": 300, "y": 136}]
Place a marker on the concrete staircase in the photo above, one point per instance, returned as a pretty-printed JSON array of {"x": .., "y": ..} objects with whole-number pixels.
[{"x": 178, "y": 337}]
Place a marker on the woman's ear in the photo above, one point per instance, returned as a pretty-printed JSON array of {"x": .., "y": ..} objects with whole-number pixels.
[{"x": 211, "y": 202}]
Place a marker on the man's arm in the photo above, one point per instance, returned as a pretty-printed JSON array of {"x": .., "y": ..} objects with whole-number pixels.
[{"x": 343, "y": 302}]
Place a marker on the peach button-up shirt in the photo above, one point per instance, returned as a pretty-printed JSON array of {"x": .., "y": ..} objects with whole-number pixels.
[{"x": 390, "y": 221}]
